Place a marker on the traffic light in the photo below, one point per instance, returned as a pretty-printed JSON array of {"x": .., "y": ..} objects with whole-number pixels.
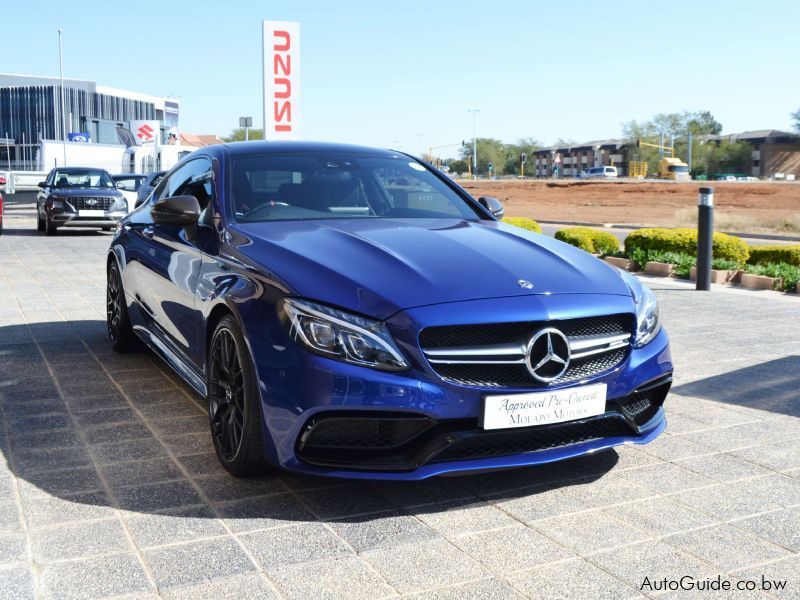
[
  {"x": 491, "y": 166},
  {"x": 522, "y": 158}
]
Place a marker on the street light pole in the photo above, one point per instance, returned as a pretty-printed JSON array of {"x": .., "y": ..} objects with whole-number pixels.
[
  {"x": 63, "y": 98},
  {"x": 474, "y": 144}
]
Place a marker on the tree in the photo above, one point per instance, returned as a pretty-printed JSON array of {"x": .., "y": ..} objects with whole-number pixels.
[
  {"x": 796, "y": 117},
  {"x": 703, "y": 122},
  {"x": 237, "y": 135},
  {"x": 676, "y": 126}
]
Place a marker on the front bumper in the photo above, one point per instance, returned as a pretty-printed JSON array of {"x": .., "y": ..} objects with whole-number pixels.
[
  {"x": 67, "y": 216},
  {"x": 300, "y": 391}
]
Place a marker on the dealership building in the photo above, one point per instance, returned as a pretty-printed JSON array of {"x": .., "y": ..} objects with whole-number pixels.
[{"x": 31, "y": 111}]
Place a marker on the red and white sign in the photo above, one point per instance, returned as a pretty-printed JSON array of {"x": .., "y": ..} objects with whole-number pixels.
[
  {"x": 281, "y": 80},
  {"x": 145, "y": 131}
]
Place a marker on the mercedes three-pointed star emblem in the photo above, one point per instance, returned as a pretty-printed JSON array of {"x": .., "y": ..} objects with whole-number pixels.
[{"x": 548, "y": 355}]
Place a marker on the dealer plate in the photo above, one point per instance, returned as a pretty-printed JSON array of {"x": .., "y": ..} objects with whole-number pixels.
[
  {"x": 91, "y": 213},
  {"x": 540, "y": 408}
]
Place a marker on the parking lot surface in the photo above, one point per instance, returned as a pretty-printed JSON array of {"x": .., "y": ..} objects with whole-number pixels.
[{"x": 109, "y": 485}]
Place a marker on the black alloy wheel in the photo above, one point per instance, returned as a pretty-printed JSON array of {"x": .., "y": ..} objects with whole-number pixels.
[
  {"x": 120, "y": 332},
  {"x": 234, "y": 410}
]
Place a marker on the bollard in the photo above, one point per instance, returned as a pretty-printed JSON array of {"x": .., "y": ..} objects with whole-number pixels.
[{"x": 705, "y": 231}]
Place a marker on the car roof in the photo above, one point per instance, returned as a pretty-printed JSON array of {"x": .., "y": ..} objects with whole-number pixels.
[
  {"x": 261, "y": 147},
  {"x": 78, "y": 169},
  {"x": 126, "y": 175}
]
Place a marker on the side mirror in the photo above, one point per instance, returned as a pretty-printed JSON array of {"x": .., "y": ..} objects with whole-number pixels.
[
  {"x": 120, "y": 186},
  {"x": 41, "y": 184},
  {"x": 182, "y": 211},
  {"x": 493, "y": 205}
]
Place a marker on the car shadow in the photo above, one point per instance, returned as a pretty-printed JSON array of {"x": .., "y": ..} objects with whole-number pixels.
[
  {"x": 12, "y": 228},
  {"x": 97, "y": 429},
  {"x": 770, "y": 386}
]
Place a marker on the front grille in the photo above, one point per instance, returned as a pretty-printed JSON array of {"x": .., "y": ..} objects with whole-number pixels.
[
  {"x": 90, "y": 203},
  {"x": 483, "y": 368},
  {"x": 504, "y": 375},
  {"x": 501, "y": 333},
  {"x": 506, "y": 443}
]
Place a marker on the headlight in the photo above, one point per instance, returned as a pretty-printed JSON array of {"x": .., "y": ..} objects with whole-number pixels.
[
  {"x": 57, "y": 203},
  {"x": 647, "y": 322},
  {"x": 120, "y": 205},
  {"x": 341, "y": 335}
]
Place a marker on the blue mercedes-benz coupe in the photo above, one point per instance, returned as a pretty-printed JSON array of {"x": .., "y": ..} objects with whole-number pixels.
[{"x": 353, "y": 312}]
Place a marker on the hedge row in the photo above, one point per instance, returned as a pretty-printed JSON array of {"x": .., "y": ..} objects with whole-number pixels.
[
  {"x": 685, "y": 240},
  {"x": 762, "y": 255},
  {"x": 524, "y": 223},
  {"x": 591, "y": 240}
]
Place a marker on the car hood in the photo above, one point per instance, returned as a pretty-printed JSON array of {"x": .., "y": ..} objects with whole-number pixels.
[
  {"x": 381, "y": 266},
  {"x": 86, "y": 192}
]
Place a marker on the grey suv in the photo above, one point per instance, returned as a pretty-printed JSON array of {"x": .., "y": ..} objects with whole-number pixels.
[{"x": 79, "y": 197}]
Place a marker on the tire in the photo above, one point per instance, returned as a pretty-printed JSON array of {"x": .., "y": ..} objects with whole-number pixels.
[
  {"x": 39, "y": 222},
  {"x": 234, "y": 404},
  {"x": 118, "y": 324},
  {"x": 49, "y": 228}
]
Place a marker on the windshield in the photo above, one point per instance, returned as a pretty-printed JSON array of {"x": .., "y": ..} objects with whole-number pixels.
[
  {"x": 82, "y": 179},
  {"x": 679, "y": 169},
  {"x": 340, "y": 185}
]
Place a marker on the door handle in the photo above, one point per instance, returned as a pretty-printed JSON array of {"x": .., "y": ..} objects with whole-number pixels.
[{"x": 148, "y": 232}]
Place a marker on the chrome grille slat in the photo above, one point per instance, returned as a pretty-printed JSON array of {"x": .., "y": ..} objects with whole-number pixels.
[{"x": 596, "y": 345}]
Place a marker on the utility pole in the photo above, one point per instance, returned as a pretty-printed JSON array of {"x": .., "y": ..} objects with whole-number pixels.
[
  {"x": 63, "y": 98},
  {"x": 474, "y": 111},
  {"x": 689, "y": 151}
]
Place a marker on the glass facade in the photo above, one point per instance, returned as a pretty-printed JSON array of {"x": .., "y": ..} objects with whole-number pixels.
[{"x": 35, "y": 113}]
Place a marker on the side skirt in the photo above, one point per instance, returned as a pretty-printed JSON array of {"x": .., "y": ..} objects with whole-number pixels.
[{"x": 195, "y": 380}]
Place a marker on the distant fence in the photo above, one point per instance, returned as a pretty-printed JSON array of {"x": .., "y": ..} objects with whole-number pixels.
[{"x": 22, "y": 181}]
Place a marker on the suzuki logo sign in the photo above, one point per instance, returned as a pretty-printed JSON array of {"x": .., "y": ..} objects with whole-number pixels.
[
  {"x": 145, "y": 131},
  {"x": 281, "y": 79}
]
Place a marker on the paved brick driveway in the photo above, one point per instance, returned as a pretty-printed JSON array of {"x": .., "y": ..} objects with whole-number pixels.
[{"x": 109, "y": 485}]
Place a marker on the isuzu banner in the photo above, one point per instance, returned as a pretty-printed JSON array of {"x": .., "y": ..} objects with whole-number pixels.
[{"x": 281, "y": 44}]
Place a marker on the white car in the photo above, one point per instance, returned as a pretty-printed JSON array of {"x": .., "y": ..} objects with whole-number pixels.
[
  {"x": 129, "y": 184},
  {"x": 726, "y": 178},
  {"x": 599, "y": 172},
  {"x": 747, "y": 179}
]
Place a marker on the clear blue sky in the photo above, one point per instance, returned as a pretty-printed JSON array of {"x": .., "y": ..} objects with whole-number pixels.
[{"x": 381, "y": 73}]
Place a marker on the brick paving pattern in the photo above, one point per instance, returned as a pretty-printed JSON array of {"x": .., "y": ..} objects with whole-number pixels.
[{"x": 109, "y": 485}]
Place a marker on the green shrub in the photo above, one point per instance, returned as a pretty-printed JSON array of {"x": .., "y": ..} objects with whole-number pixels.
[
  {"x": 579, "y": 239},
  {"x": 789, "y": 255},
  {"x": 683, "y": 262},
  {"x": 790, "y": 274},
  {"x": 724, "y": 264},
  {"x": 591, "y": 240},
  {"x": 685, "y": 240},
  {"x": 524, "y": 223}
]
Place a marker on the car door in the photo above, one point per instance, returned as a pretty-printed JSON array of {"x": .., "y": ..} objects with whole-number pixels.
[{"x": 169, "y": 260}]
